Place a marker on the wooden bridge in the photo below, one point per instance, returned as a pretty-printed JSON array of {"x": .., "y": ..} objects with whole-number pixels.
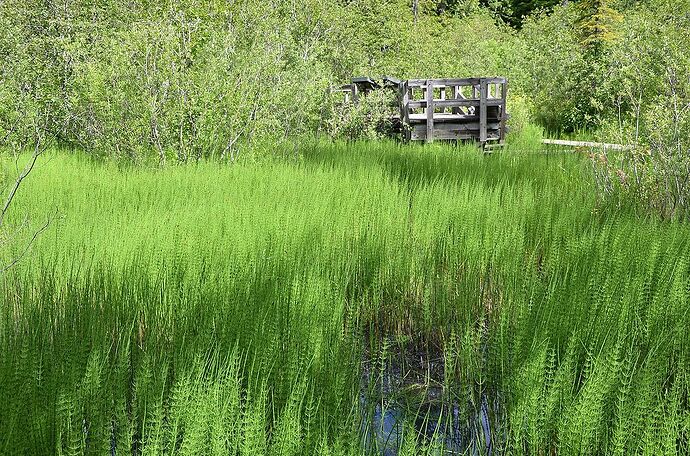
[{"x": 444, "y": 109}]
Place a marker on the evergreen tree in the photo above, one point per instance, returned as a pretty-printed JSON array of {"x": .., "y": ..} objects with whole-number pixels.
[{"x": 596, "y": 24}]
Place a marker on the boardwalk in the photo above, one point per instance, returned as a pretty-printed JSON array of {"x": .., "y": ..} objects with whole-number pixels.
[{"x": 442, "y": 109}]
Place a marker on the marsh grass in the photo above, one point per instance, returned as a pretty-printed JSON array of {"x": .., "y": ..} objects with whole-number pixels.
[{"x": 214, "y": 309}]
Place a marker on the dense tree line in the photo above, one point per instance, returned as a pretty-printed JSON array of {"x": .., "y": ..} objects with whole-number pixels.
[{"x": 193, "y": 78}]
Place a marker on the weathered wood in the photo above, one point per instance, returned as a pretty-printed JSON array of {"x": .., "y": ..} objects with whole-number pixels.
[
  {"x": 414, "y": 136},
  {"x": 365, "y": 84},
  {"x": 449, "y": 135},
  {"x": 495, "y": 80},
  {"x": 389, "y": 80},
  {"x": 445, "y": 82},
  {"x": 455, "y": 103},
  {"x": 443, "y": 98},
  {"x": 429, "y": 111},
  {"x": 451, "y": 118},
  {"x": 451, "y": 112},
  {"x": 504, "y": 116},
  {"x": 405, "y": 110},
  {"x": 471, "y": 126},
  {"x": 364, "y": 80},
  {"x": 482, "y": 112},
  {"x": 560, "y": 142},
  {"x": 457, "y": 93}
]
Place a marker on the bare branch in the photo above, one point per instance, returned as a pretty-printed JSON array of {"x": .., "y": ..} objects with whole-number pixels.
[
  {"x": 38, "y": 150},
  {"x": 18, "y": 258}
]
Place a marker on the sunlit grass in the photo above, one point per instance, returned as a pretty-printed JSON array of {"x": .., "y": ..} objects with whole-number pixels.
[{"x": 215, "y": 309}]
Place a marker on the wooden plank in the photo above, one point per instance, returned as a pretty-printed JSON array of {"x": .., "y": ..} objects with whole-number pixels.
[
  {"x": 457, "y": 93},
  {"x": 449, "y": 103},
  {"x": 453, "y": 118},
  {"x": 392, "y": 81},
  {"x": 355, "y": 91},
  {"x": 430, "y": 111},
  {"x": 444, "y": 82},
  {"x": 448, "y": 135},
  {"x": 415, "y": 136},
  {"x": 416, "y": 119},
  {"x": 364, "y": 80},
  {"x": 482, "y": 111},
  {"x": 444, "y": 118},
  {"x": 504, "y": 94},
  {"x": 365, "y": 84},
  {"x": 443, "y": 97},
  {"x": 459, "y": 135},
  {"x": 471, "y": 126},
  {"x": 494, "y": 80},
  {"x": 405, "y": 113},
  {"x": 560, "y": 142}
]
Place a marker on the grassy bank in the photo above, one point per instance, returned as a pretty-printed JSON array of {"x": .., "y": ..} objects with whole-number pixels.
[{"x": 209, "y": 309}]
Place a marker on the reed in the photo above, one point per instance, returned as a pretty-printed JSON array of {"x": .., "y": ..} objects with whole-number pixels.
[{"x": 214, "y": 309}]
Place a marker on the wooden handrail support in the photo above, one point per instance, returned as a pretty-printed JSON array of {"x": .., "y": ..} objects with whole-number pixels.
[
  {"x": 430, "y": 111},
  {"x": 484, "y": 93},
  {"x": 444, "y": 109},
  {"x": 483, "y": 89},
  {"x": 348, "y": 90}
]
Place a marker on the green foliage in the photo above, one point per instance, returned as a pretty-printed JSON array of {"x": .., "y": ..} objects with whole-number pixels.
[
  {"x": 211, "y": 79},
  {"x": 239, "y": 322},
  {"x": 651, "y": 84},
  {"x": 596, "y": 24},
  {"x": 524, "y": 8},
  {"x": 369, "y": 118}
]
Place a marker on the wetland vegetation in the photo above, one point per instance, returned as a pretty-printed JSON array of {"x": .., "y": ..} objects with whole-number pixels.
[
  {"x": 284, "y": 307},
  {"x": 214, "y": 255}
]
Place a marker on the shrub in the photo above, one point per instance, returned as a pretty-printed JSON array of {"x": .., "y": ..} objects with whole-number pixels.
[{"x": 369, "y": 118}]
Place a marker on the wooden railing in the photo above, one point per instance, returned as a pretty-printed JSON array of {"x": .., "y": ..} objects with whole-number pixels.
[
  {"x": 446, "y": 109},
  {"x": 469, "y": 100}
]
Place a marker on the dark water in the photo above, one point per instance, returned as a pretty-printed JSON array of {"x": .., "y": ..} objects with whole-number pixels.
[
  {"x": 402, "y": 403},
  {"x": 446, "y": 427}
]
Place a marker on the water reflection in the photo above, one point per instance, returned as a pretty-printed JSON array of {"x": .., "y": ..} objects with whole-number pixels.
[{"x": 403, "y": 410}]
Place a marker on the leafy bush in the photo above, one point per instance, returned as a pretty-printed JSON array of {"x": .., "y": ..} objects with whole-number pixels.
[
  {"x": 370, "y": 118},
  {"x": 653, "y": 87},
  {"x": 520, "y": 108},
  {"x": 207, "y": 80}
]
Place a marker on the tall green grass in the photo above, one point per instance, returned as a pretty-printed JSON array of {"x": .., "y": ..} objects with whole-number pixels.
[{"x": 215, "y": 309}]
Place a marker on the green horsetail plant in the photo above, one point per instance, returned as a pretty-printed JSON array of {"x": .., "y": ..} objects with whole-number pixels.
[{"x": 280, "y": 307}]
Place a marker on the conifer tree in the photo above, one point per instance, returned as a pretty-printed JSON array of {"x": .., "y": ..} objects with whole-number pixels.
[{"x": 596, "y": 24}]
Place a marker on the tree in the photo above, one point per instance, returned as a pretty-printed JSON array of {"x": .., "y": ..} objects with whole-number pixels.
[
  {"x": 596, "y": 25},
  {"x": 519, "y": 9}
]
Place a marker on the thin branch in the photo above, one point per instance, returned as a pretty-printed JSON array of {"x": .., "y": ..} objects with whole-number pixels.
[
  {"x": 38, "y": 150},
  {"x": 18, "y": 258}
]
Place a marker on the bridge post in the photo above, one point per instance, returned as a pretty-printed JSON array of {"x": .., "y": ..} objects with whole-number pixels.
[
  {"x": 405, "y": 110},
  {"x": 482, "y": 111},
  {"x": 429, "y": 111}
]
